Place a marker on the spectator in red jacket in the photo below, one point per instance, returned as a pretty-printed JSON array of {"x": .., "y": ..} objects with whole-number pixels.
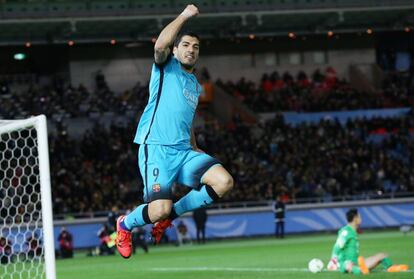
[{"x": 66, "y": 243}]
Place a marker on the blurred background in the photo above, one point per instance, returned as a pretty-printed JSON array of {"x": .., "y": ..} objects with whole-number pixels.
[{"x": 304, "y": 101}]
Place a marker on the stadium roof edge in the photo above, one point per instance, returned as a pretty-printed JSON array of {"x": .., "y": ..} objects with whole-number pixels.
[{"x": 206, "y": 15}]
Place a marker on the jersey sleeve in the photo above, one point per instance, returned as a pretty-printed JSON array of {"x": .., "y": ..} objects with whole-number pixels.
[
  {"x": 171, "y": 64},
  {"x": 339, "y": 246},
  {"x": 342, "y": 239}
]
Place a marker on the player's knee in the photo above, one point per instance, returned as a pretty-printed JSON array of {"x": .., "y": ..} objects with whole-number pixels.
[
  {"x": 348, "y": 267},
  {"x": 383, "y": 255},
  {"x": 225, "y": 184},
  {"x": 160, "y": 212}
]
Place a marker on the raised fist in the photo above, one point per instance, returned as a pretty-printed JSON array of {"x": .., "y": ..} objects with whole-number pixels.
[{"x": 190, "y": 11}]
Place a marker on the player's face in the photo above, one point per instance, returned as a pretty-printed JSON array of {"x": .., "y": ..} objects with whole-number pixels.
[
  {"x": 187, "y": 51},
  {"x": 358, "y": 220}
]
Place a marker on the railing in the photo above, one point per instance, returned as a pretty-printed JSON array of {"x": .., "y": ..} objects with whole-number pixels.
[
  {"x": 225, "y": 206},
  {"x": 259, "y": 221},
  {"x": 18, "y": 79}
]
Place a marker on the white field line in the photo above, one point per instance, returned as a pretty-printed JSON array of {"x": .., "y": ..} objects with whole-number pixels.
[
  {"x": 241, "y": 269},
  {"x": 231, "y": 269}
]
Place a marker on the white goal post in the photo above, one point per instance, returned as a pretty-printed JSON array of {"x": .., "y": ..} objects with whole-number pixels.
[{"x": 26, "y": 220}]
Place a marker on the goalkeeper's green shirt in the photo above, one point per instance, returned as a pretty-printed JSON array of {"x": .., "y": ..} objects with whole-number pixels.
[{"x": 346, "y": 247}]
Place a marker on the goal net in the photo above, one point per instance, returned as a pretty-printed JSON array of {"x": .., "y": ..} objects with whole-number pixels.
[{"x": 26, "y": 228}]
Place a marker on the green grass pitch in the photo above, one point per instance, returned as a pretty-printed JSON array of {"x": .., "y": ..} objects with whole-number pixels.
[{"x": 249, "y": 258}]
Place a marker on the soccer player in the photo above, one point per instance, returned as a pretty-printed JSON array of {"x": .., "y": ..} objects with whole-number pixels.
[
  {"x": 168, "y": 151},
  {"x": 345, "y": 253}
]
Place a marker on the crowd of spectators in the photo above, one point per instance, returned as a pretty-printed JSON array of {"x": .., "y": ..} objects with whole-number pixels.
[
  {"x": 321, "y": 161},
  {"x": 323, "y": 91},
  {"x": 59, "y": 98},
  {"x": 95, "y": 172}
]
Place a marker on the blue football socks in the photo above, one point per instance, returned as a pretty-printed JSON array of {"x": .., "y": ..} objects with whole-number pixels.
[
  {"x": 193, "y": 200},
  {"x": 137, "y": 218}
]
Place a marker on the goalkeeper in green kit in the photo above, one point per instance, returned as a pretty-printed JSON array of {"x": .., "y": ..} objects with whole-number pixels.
[{"x": 345, "y": 253}]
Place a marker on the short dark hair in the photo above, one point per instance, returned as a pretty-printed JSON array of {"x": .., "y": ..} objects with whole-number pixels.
[
  {"x": 351, "y": 214},
  {"x": 185, "y": 33}
]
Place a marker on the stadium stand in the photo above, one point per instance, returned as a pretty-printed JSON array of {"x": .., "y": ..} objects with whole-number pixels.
[
  {"x": 320, "y": 162},
  {"x": 321, "y": 92}
]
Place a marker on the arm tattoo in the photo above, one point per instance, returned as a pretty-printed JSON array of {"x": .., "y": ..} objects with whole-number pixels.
[{"x": 161, "y": 55}]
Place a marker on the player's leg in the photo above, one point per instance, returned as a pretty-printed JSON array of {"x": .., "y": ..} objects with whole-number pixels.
[
  {"x": 386, "y": 263},
  {"x": 159, "y": 209},
  {"x": 373, "y": 261},
  {"x": 155, "y": 171},
  {"x": 383, "y": 259},
  {"x": 219, "y": 179},
  {"x": 350, "y": 267},
  {"x": 208, "y": 178}
]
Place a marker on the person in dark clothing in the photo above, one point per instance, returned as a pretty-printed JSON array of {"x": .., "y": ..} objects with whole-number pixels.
[
  {"x": 279, "y": 210},
  {"x": 183, "y": 236},
  {"x": 34, "y": 246},
  {"x": 112, "y": 216},
  {"x": 138, "y": 239},
  {"x": 107, "y": 243},
  {"x": 200, "y": 219},
  {"x": 66, "y": 243},
  {"x": 5, "y": 251}
]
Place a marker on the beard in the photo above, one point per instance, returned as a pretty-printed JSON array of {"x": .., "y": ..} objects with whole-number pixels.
[{"x": 187, "y": 66}]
